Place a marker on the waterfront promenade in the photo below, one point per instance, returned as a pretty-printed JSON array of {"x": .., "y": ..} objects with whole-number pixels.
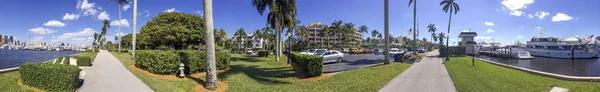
[
  {"x": 429, "y": 75},
  {"x": 107, "y": 74}
]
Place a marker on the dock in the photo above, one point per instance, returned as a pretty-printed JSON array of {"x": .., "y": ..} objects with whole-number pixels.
[{"x": 502, "y": 52}]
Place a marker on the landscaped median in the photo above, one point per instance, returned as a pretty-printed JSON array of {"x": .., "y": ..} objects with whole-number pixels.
[
  {"x": 485, "y": 77},
  {"x": 251, "y": 73}
]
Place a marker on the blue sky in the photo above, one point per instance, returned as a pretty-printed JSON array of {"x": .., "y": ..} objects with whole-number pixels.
[{"x": 503, "y": 20}]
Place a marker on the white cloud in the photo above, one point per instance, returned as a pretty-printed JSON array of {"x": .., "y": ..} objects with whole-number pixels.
[
  {"x": 124, "y": 23},
  {"x": 537, "y": 29},
  {"x": 465, "y": 31},
  {"x": 103, "y": 16},
  {"x": 490, "y": 31},
  {"x": 71, "y": 16},
  {"x": 120, "y": 34},
  {"x": 519, "y": 36},
  {"x": 54, "y": 23},
  {"x": 87, "y": 8},
  {"x": 41, "y": 30},
  {"x": 515, "y": 6},
  {"x": 125, "y": 7},
  {"x": 489, "y": 23},
  {"x": 201, "y": 13},
  {"x": 530, "y": 16},
  {"x": 561, "y": 17},
  {"x": 483, "y": 38},
  {"x": 171, "y": 10},
  {"x": 145, "y": 13},
  {"x": 84, "y": 36},
  {"x": 37, "y": 39},
  {"x": 541, "y": 14}
]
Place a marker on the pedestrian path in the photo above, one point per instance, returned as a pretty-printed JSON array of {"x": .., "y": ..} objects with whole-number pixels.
[
  {"x": 107, "y": 74},
  {"x": 429, "y": 75}
]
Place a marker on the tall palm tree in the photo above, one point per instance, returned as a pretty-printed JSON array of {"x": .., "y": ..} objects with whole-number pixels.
[
  {"x": 105, "y": 26},
  {"x": 349, "y": 31},
  {"x": 386, "y": 31},
  {"x": 240, "y": 34},
  {"x": 211, "y": 71},
  {"x": 134, "y": 29},
  {"x": 222, "y": 36},
  {"x": 337, "y": 29},
  {"x": 374, "y": 34},
  {"x": 257, "y": 34},
  {"x": 432, "y": 30},
  {"x": 267, "y": 34},
  {"x": 280, "y": 12},
  {"x": 302, "y": 34},
  {"x": 120, "y": 4},
  {"x": 363, "y": 29},
  {"x": 415, "y": 24},
  {"x": 326, "y": 34},
  {"x": 449, "y": 5}
]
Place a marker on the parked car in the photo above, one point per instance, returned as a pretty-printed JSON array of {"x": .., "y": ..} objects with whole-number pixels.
[
  {"x": 396, "y": 51},
  {"x": 249, "y": 51},
  {"x": 338, "y": 49},
  {"x": 421, "y": 51},
  {"x": 308, "y": 52},
  {"x": 368, "y": 51},
  {"x": 320, "y": 52},
  {"x": 345, "y": 50},
  {"x": 378, "y": 51},
  {"x": 355, "y": 51},
  {"x": 332, "y": 56}
]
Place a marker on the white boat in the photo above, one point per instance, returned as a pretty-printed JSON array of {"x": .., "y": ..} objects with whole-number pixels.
[
  {"x": 561, "y": 48},
  {"x": 515, "y": 52}
]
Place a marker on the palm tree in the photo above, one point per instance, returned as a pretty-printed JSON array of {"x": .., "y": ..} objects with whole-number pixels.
[
  {"x": 386, "y": 31},
  {"x": 222, "y": 36},
  {"x": 211, "y": 73},
  {"x": 240, "y": 34},
  {"x": 348, "y": 31},
  {"x": 302, "y": 34},
  {"x": 326, "y": 34},
  {"x": 267, "y": 34},
  {"x": 105, "y": 26},
  {"x": 452, "y": 6},
  {"x": 374, "y": 34},
  {"x": 363, "y": 29},
  {"x": 257, "y": 34},
  {"x": 95, "y": 43},
  {"x": 280, "y": 12},
  {"x": 432, "y": 30},
  {"x": 134, "y": 29},
  {"x": 337, "y": 29},
  {"x": 120, "y": 4},
  {"x": 415, "y": 23}
]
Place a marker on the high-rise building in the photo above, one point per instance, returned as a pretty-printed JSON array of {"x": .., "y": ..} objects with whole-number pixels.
[
  {"x": 317, "y": 37},
  {"x": 5, "y": 39},
  {"x": 2, "y": 40},
  {"x": 11, "y": 40}
]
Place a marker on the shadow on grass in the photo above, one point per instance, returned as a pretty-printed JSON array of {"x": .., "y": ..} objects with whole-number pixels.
[{"x": 261, "y": 75}]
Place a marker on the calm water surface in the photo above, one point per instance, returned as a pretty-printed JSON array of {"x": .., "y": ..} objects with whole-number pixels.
[
  {"x": 14, "y": 58},
  {"x": 580, "y": 67}
]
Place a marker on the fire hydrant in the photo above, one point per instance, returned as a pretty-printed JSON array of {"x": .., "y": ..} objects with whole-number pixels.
[{"x": 181, "y": 68}]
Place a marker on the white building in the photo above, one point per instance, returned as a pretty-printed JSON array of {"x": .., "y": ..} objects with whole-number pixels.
[
  {"x": 255, "y": 41},
  {"x": 468, "y": 40}
]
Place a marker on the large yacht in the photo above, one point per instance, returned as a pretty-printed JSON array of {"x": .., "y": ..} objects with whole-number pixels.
[{"x": 561, "y": 47}]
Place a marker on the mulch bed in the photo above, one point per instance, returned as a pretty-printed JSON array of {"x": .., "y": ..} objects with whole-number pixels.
[
  {"x": 27, "y": 87},
  {"x": 311, "y": 79},
  {"x": 221, "y": 87},
  {"x": 171, "y": 77}
]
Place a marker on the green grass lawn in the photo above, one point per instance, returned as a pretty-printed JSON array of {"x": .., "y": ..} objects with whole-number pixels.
[
  {"x": 8, "y": 81},
  {"x": 485, "y": 77},
  {"x": 249, "y": 73}
]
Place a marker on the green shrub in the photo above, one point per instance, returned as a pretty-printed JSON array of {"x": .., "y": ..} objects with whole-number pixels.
[
  {"x": 83, "y": 60},
  {"x": 454, "y": 51},
  {"x": 67, "y": 60},
  {"x": 50, "y": 77},
  {"x": 194, "y": 60},
  {"x": 59, "y": 60},
  {"x": 312, "y": 65}
]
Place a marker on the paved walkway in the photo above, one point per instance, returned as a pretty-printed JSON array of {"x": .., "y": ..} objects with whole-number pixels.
[
  {"x": 107, "y": 74},
  {"x": 429, "y": 75}
]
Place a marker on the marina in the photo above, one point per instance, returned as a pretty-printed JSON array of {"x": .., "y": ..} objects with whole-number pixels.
[
  {"x": 579, "y": 67},
  {"x": 14, "y": 58}
]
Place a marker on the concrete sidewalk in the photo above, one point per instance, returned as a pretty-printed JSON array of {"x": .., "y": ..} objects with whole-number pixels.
[
  {"x": 107, "y": 74},
  {"x": 429, "y": 75}
]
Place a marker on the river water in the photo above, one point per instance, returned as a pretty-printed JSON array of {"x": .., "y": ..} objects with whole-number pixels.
[
  {"x": 580, "y": 67},
  {"x": 14, "y": 58}
]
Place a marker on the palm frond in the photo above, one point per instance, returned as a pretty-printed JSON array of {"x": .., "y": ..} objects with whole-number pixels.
[
  {"x": 456, "y": 8},
  {"x": 410, "y": 2}
]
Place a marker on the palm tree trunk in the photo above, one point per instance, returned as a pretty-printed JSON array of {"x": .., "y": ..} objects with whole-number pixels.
[
  {"x": 277, "y": 29},
  {"x": 415, "y": 28},
  {"x": 211, "y": 73},
  {"x": 386, "y": 32},
  {"x": 448, "y": 37},
  {"x": 134, "y": 29}
]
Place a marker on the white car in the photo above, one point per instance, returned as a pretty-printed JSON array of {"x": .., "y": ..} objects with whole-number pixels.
[
  {"x": 249, "y": 51},
  {"x": 394, "y": 51},
  {"x": 308, "y": 52},
  {"x": 332, "y": 56}
]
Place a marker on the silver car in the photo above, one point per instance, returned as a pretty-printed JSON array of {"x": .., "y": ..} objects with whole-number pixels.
[{"x": 332, "y": 56}]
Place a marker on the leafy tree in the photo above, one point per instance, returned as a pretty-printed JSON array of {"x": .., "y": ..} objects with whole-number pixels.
[
  {"x": 174, "y": 30},
  {"x": 126, "y": 41},
  {"x": 449, "y": 5}
]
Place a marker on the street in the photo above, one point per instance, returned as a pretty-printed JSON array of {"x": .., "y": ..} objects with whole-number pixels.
[{"x": 354, "y": 61}]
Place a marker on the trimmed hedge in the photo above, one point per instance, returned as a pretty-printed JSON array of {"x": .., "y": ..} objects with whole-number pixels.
[
  {"x": 59, "y": 60},
  {"x": 263, "y": 53},
  {"x": 167, "y": 61},
  {"x": 83, "y": 60},
  {"x": 50, "y": 77},
  {"x": 454, "y": 51},
  {"x": 312, "y": 65},
  {"x": 67, "y": 60}
]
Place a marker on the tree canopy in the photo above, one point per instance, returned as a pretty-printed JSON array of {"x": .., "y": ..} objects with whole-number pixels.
[{"x": 172, "y": 30}]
